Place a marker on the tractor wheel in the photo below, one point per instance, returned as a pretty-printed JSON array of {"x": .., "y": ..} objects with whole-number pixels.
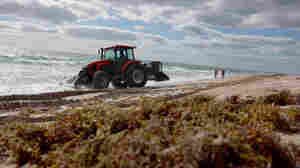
[
  {"x": 81, "y": 81},
  {"x": 82, "y": 78},
  {"x": 118, "y": 84},
  {"x": 136, "y": 77},
  {"x": 100, "y": 80}
]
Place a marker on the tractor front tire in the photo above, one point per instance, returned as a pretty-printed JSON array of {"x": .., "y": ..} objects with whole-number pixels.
[
  {"x": 136, "y": 77},
  {"x": 100, "y": 80}
]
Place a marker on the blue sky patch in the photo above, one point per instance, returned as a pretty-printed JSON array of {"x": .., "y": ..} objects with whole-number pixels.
[
  {"x": 268, "y": 32},
  {"x": 161, "y": 29}
]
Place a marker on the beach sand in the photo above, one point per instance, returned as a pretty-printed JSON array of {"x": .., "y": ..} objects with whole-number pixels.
[{"x": 246, "y": 86}]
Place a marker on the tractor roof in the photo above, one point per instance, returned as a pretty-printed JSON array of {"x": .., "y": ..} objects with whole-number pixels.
[{"x": 119, "y": 46}]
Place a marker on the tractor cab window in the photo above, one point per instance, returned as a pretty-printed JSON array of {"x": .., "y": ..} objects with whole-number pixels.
[
  {"x": 109, "y": 54},
  {"x": 121, "y": 54},
  {"x": 130, "y": 54}
]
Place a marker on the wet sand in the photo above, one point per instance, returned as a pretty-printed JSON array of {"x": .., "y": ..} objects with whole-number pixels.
[{"x": 244, "y": 86}]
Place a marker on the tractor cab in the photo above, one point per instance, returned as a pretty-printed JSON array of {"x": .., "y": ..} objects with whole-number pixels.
[
  {"x": 116, "y": 53},
  {"x": 115, "y": 59}
]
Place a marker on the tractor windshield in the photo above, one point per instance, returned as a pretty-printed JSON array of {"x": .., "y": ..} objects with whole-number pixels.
[
  {"x": 115, "y": 54},
  {"x": 109, "y": 54},
  {"x": 130, "y": 54}
]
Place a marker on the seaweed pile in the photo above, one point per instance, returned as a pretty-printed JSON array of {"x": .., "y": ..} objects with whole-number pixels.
[{"x": 192, "y": 132}]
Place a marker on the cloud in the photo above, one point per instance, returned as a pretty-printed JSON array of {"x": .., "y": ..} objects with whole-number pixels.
[
  {"x": 289, "y": 18},
  {"x": 5, "y": 27},
  {"x": 100, "y": 33},
  {"x": 233, "y": 13},
  {"x": 155, "y": 38},
  {"x": 37, "y": 28},
  {"x": 53, "y": 13},
  {"x": 254, "y": 13},
  {"x": 157, "y": 2},
  {"x": 204, "y": 37},
  {"x": 23, "y": 27},
  {"x": 112, "y": 34},
  {"x": 201, "y": 31}
]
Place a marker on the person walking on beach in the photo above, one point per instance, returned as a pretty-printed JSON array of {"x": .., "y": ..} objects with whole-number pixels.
[
  {"x": 223, "y": 73},
  {"x": 216, "y": 72}
]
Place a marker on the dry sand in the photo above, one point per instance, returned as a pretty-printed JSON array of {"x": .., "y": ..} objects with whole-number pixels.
[{"x": 261, "y": 87}]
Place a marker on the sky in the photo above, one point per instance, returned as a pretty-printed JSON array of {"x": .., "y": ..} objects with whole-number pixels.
[{"x": 258, "y": 35}]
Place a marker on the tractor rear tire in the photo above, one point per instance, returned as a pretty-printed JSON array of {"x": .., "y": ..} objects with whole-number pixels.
[
  {"x": 100, "y": 80},
  {"x": 117, "y": 84},
  {"x": 136, "y": 77}
]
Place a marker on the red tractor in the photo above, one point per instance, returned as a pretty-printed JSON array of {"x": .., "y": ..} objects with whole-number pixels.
[{"x": 118, "y": 65}]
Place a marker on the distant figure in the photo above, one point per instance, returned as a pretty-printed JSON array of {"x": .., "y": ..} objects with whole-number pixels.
[
  {"x": 216, "y": 72},
  {"x": 223, "y": 73}
]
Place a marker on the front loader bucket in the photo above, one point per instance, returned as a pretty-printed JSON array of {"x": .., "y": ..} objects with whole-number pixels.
[
  {"x": 160, "y": 76},
  {"x": 155, "y": 72}
]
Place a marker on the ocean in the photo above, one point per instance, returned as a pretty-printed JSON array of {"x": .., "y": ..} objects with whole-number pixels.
[{"x": 27, "y": 72}]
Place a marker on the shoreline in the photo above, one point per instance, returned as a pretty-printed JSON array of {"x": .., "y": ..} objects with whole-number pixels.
[
  {"x": 242, "y": 85},
  {"x": 15, "y": 101}
]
